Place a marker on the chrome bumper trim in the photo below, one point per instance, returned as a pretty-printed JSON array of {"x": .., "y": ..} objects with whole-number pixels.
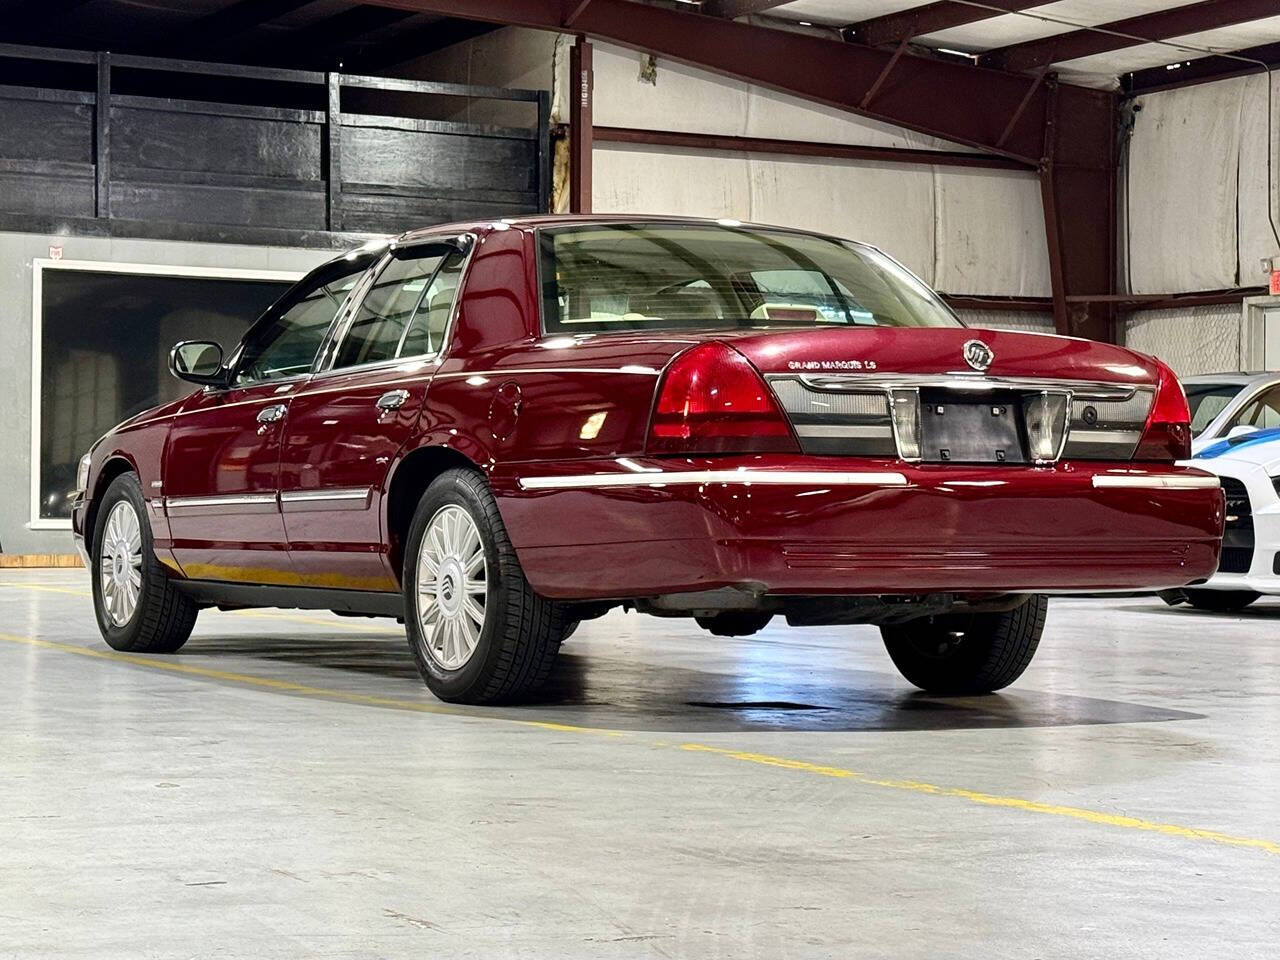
[{"x": 1149, "y": 482}]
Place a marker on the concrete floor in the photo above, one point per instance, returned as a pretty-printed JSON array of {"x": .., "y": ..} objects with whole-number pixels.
[{"x": 285, "y": 787}]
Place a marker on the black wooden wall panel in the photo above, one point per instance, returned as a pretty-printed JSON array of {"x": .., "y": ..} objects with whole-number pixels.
[
  {"x": 432, "y": 160},
  {"x": 104, "y": 162},
  {"x": 33, "y": 129},
  {"x": 175, "y": 139},
  {"x": 64, "y": 193},
  {"x": 229, "y": 205}
]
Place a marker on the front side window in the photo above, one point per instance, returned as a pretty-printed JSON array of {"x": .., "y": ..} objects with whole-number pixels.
[
  {"x": 1263, "y": 413},
  {"x": 286, "y": 345},
  {"x": 614, "y": 277}
]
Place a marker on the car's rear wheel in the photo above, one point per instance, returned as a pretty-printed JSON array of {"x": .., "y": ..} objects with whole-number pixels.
[
  {"x": 138, "y": 608},
  {"x": 1221, "y": 601},
  {"x": 478, "y": 631},
  {"x": 967, "y": 653}
]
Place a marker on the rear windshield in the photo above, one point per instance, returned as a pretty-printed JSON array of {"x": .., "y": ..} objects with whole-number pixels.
[
  {"x": 1207, "y": 400},
  {"x": 616, "y": 277}
]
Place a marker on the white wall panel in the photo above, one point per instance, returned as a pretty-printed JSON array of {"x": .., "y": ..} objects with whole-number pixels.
[
  {"x": 1025, "y": 322},
  {"x": 631, "y": 179},
  {"x": 1183, "y": 164},
  {"x": 1190, "y": 339},
  {"x": 1256, "y": 238},
  {"x": 683, "y": 99},
  {"x": 689, "y": 100},
  {"x": 889, "y": 205},
  {"x": 990, "y": 233}
]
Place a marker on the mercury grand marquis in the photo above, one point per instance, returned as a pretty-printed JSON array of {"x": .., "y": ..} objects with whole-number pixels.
[{"x": 494, "y": 431}]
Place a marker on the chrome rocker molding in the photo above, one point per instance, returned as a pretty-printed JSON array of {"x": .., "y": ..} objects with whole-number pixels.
[
  {"x": 698, "y": 477},
  {"x": 182, "y": 504},
  {"x": 352, "y": 498}
]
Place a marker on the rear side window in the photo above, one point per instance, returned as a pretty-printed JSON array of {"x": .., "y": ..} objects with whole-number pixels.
[
  {"x": 406, "y": 310},
  {"x": 604, "y": 278},
  {"x": 384, "y": 315}
]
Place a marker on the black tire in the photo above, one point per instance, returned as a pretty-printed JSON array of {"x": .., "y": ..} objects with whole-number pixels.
[
  {"x": 163, "y": 618},
  {"x": 521, "y": 633},
  {"x": 967, "y": 653},
  {"x": 1173, "y": 597},
  {"x": 1221, "y": 601}
]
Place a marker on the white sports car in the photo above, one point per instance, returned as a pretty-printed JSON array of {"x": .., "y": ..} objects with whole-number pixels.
[
  {"x": 1248, "y": 464},
  {"x": 1223, "y": 404}
]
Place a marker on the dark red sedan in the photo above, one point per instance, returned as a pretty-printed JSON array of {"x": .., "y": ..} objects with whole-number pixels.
[{"x": 497, "y": 430}]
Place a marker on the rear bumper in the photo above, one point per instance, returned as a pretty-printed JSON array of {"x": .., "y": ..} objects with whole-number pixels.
[{"x": 820, "y": 525}]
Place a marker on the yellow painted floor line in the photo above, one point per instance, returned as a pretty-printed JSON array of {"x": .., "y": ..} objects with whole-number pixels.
[
  {"x": 761, "y": 759},
  {"x": 45, "y": 588},
  {"x": 994, "y": 800}
]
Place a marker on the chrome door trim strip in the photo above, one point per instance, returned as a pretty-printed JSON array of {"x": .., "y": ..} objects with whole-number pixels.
[
  {"x": 799, "y": 478},
  {"x": 309, "y": 496},
  {"x": 239, "y": 500},
  {"x": 636, "y": 370},
  {"x": 1155, "y": 482}
]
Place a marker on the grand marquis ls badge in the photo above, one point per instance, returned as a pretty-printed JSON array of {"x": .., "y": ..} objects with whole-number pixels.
[{"x": 978, "y": 355}]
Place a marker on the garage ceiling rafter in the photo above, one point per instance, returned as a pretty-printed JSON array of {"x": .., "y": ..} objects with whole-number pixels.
[
  {"x": 1129, "y": 32},
  {"x": 729, "y": 9},
  {"x": 893, "y": 28}
]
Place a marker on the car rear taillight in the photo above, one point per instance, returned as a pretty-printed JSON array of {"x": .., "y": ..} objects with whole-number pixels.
[
  {"x": 712, "y": 400},
  {"x": 1168, "y": 432}
]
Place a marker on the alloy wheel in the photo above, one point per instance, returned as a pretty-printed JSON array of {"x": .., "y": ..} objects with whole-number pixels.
[
  {"x": 452, "y": 588},
  {"x": 120, "y": 563}
]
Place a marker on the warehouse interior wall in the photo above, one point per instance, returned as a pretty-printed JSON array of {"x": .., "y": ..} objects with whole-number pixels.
[
  {"x": 1197, "y": 182},
  {"x": 17, "y": 253},
  {"x": 964, "y": 230},
  {"x": 1191, "y": 340}
]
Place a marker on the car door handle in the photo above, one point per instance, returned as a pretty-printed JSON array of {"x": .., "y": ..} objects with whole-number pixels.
[
  {"x": 272, "y": 413},
  {"x": 392, "y": 400}
]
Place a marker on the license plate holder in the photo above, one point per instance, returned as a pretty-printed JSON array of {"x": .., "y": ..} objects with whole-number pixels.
[{"x": 967, "y": 430}]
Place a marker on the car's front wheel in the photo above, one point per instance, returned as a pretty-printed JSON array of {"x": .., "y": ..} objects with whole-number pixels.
[
  {"x": 138, "y": 608},
  {"x": 1221, "y": 601},
  {"x": 478, "y": 631},
  {"x": 967, "y": 653}
]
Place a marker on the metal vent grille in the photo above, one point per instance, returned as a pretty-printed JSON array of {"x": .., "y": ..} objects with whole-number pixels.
[{"x": 1237, "y": 535}]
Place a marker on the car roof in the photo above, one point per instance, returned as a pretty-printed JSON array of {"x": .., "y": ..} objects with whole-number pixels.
[
  {"x": 535, "y": 221},
  {"x": 1235, "y": 377}
]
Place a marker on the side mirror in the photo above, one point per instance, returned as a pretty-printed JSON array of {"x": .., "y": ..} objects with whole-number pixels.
[
  {"x": 198, "y": 361},
  {"x": 1240, "y": 430}
]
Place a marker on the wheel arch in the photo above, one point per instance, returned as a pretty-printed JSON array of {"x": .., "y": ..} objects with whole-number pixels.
[
  {"x": 409, "y": 481},
  {"x": 116, "y": 465}
]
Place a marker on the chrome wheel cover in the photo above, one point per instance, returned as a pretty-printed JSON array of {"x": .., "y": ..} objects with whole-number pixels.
[
  {"x": 120, "y": 563},
  {"x": 452, "y": 588}
]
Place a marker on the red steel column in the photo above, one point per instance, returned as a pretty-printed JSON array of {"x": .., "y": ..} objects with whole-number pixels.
[{"x": 580, "y": 139}]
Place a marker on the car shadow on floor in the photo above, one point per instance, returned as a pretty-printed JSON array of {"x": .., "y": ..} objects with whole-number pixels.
[
  {"x": 1259, "y": 610},
  {"x": 628, "y": 694}
]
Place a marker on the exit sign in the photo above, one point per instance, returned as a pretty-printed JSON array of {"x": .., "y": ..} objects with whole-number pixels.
[{"x": 1275, "y": 283}]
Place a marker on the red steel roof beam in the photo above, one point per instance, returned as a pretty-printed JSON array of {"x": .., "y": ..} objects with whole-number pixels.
[
  {"x": 1130, "y": 32},
  {"x": 893, "y": 28},
  {"x": 950, "y": 100}
]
